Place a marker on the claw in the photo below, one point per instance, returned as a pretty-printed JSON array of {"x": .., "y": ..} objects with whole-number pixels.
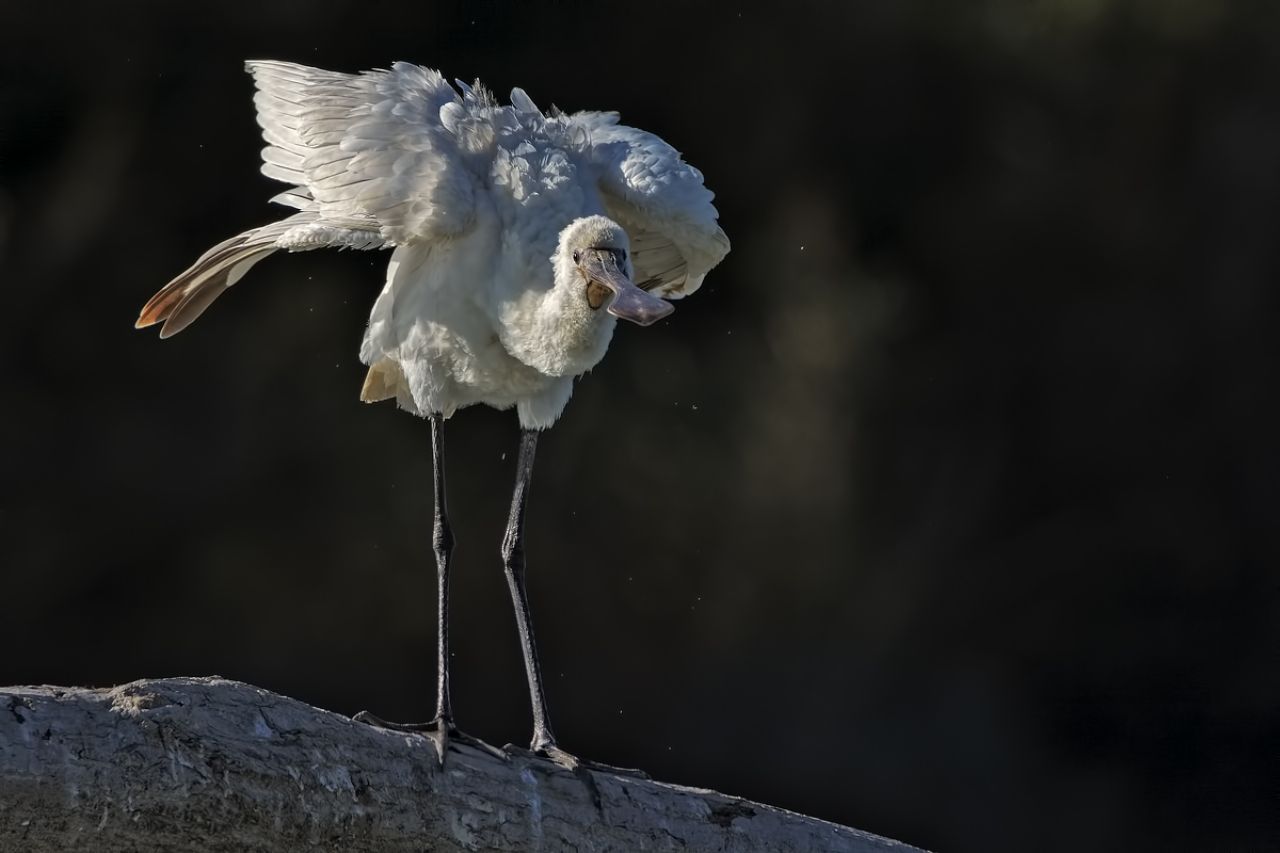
[
  {"x": 572, "y": 763},
  {"x": 439, "y": 731}
]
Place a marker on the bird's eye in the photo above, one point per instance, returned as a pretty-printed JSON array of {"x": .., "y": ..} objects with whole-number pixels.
[{"x": 577, "y": 256}]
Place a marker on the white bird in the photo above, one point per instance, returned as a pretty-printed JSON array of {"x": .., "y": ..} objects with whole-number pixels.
[{"x": 509, "y": 230}]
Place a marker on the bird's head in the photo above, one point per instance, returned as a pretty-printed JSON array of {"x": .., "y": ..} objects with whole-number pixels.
[{"x": 594, "y": 252}]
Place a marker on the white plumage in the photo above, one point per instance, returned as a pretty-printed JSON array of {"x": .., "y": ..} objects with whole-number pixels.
[
  {"x": 484, "y": 207},
  {"x": 517, "y": 238}
]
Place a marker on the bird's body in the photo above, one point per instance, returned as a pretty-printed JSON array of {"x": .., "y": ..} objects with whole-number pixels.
[
  {"x": 517, "y": 239},
  {"x": 436, "y": 347},
  {"x": 474, "y": 199}
]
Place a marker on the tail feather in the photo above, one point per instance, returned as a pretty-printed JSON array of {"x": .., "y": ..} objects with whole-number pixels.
[{"x": 384, "y": 381}]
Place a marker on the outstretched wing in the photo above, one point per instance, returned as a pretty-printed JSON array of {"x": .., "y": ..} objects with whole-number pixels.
[
  {"x": 370, "y": 163},
  {"x": 661, "y": 201},
  {"x": 368, "y": 148},
  {"x": 184, "y": 299}
]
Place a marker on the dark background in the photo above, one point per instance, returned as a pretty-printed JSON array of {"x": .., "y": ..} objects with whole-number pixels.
[{"x": 944, "y": 510}]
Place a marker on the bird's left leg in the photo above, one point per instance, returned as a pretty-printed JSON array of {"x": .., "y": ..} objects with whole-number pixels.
[
  {"x": 544, "y": 742},
  {"x": 440, "y": 729},
  {"x": 513, "y": 565}
]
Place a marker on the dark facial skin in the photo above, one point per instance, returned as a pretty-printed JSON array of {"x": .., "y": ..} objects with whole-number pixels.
[{"x": 604, "y": 272}]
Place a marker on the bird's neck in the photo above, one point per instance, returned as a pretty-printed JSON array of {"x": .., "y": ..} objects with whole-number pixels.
[{"x": 555, "y": 330}]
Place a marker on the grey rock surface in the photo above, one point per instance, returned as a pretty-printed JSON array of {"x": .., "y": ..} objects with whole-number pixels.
[{"x": 207, "y": 764}]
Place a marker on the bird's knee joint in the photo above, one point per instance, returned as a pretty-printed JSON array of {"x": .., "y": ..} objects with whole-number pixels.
[
  {"x": 441, "y": 536},
  {"x": 442, "y": 543}
]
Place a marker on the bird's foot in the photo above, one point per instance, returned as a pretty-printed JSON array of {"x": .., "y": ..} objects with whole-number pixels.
[
  {"x": 571, "y": 762},
  {"x": 440, "y": 731}
]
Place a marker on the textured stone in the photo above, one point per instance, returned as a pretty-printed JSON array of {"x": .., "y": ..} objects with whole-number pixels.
[{"x": 198, "y": 764}]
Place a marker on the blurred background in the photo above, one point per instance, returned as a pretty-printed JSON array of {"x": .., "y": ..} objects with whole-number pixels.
[{"x": 945, "y": 509}]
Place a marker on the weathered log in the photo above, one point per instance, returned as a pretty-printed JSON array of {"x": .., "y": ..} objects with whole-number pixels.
[{"x": 210, "y": 764}]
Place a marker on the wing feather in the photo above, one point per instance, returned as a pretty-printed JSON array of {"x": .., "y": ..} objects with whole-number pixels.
[
  {"x": 661, "y": 201},
  {"x": 396, "y": 156},
  {"x": 362, "y": 145},
  {"x": 184, "y": 299}
]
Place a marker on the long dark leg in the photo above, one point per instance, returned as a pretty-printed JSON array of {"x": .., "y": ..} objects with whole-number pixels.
[
  {"x": 544, "y": 742},
  {"x": 513, "y": 563},
  {"x": 442, "y": 545},
  {"x": 441, "y": 729}
]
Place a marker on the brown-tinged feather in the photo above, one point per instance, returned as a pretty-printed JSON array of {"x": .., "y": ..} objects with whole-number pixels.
[
  {"x": 159, "y": 306},
  {"x": 182, "y": 300},
  {"x": 382, "y": 381}
]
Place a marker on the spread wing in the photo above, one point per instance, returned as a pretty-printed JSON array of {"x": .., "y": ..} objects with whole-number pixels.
[
  {"x": 370, "y": 163},
  {"x": 661, "y": 201},
  {"x": 368, "y": 150}
]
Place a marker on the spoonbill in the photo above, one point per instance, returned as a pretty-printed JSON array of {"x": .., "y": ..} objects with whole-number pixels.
[{"x": 510, "y": 230}]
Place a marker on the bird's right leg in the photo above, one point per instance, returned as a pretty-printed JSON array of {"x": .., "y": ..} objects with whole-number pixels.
[{"x": 441, "y": 728}]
